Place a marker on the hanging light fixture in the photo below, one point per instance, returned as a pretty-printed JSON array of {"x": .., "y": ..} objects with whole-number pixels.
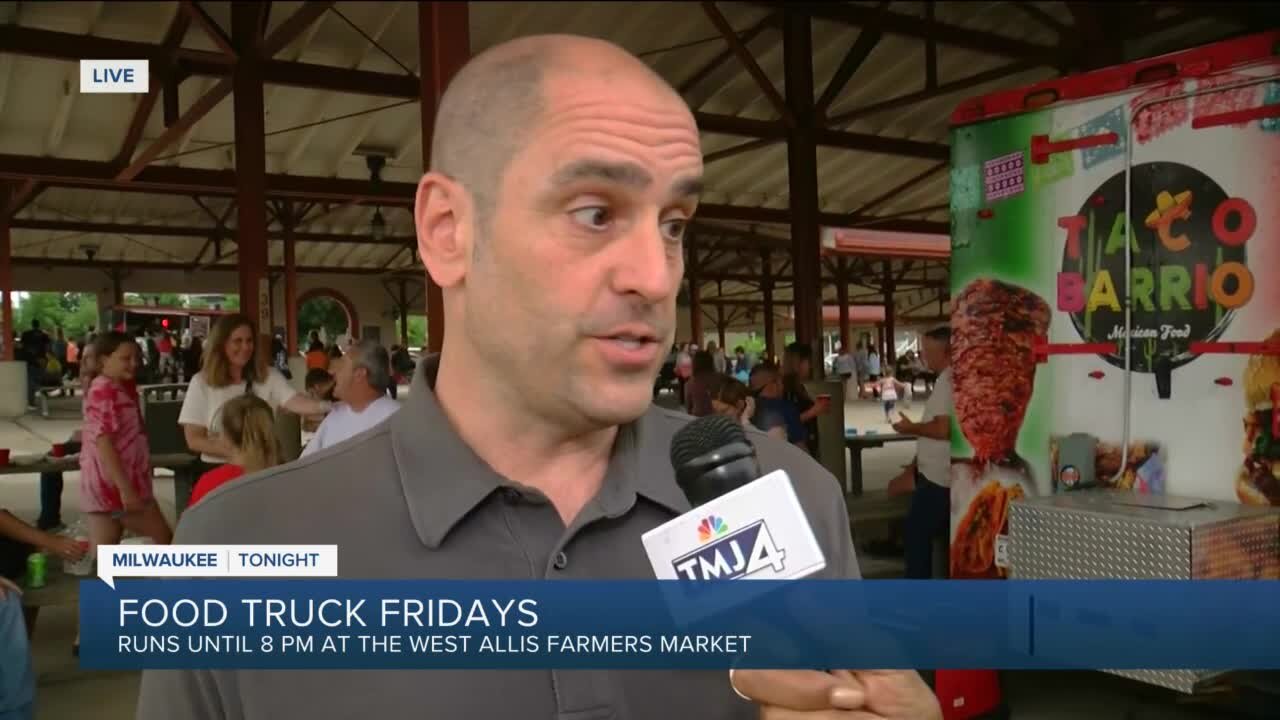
[{"x": 378, "y": 227}]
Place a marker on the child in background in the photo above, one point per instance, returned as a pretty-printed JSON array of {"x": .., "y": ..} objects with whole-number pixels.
[
  {"x": 249, "y": 425},
  {"x": 889, "y": 388},
  {"x": 731, "y": 398},
  {"x": 115, "y": 461},
  {"x": 319, "y": 384}
]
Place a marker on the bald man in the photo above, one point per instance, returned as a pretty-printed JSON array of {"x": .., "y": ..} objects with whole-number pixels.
[{"x": 564, "y": 173}]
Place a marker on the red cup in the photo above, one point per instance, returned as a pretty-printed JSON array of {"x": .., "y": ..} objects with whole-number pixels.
[
  {"x": 4, "y": 456},
  {"x": 824, "y": 398},
  {"x": 59, "y": 450}
]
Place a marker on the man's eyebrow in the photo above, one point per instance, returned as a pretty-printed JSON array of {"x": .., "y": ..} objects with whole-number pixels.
[
  {"x": 621, "y": 173},
  {"x": 688, "y": 187}
]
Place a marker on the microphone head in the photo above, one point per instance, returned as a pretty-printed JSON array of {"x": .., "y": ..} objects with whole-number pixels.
[
  {"x": 703, "y": 436},
  {"x": 711, "y": 457}
]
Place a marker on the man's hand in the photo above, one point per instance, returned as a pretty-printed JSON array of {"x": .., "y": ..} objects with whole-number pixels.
[
  {"x": 132, "y": 503},
  {"x": 897, "y": 695},
  {"x": 904, "y": 483},
  {"x": 905, "y": 425},
  {"x": 796, "y": 693},
  {"x": 855, "y": 695},
  {"x": 64, "y": 547}
]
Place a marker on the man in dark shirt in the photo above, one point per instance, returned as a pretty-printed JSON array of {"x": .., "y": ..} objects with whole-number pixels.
[{"x": 35, "y": 344}]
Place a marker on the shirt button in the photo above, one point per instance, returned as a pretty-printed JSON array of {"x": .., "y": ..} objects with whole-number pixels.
[{"x": 561, "y": 561}]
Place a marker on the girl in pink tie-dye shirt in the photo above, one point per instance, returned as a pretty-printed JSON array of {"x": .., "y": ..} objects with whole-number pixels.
[{"x": 115, "y": 461}]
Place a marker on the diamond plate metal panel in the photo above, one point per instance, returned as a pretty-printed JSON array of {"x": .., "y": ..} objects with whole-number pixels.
[
  {"x": 1110, "y": 535},
  {"x": 1048, "y": 543}
]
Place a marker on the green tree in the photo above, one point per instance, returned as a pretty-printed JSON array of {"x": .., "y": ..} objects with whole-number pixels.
[
  {"x": 321, "y": 313},
  {"x": 417, "y": 331},
  {"x": 73, "y": 312}
]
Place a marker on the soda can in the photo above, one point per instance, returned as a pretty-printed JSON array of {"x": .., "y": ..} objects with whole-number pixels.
[{"x": 37, "y": 567}]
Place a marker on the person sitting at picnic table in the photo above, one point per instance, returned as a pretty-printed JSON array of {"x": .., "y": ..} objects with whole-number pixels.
[
  {"x": 17, "y": 541},
  {"x": 51, "y": 482},
  {"x": 17, "y": 677},
  {"x": 362, "y": 378},
  {"x": 249, "y": 426},
  {"x": 232, "y": 367}
]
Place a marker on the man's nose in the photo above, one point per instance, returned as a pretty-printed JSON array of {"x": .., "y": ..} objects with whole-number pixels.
[{"x": 648, "y": 264}]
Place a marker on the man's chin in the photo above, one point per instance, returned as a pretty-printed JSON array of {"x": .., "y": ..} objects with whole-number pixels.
[{"x": 618, "y": 406}]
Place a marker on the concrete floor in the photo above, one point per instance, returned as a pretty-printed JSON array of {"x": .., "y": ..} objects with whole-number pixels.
[{"x": 67, "y": 693}]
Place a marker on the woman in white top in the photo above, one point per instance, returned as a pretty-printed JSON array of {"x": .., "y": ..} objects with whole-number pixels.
[{"x": 231, "y": 368}]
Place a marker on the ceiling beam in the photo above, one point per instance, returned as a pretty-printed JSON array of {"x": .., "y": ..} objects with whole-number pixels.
[
  {"x": 894, "y": 23},
  {"x": 165, "y": 180},
  {"x": 99, "y": 264},
  {"x": 143, "y": 230},
  {"x": 942, "y": 90},
  {"x": 782, "y": 216},
  {"x": 210, "y": 27},
  {"x": 858, "y": 53},
  {"x": 174, "y": 132},
  {"x": 738, "y": 149},
  {"x": 863, "y": 142},
  {"x": 1043, "y": 17},
  {"x": 293, "y": 26},
  {"x": 22, "y": 195},
  {"x": 898, "y": 190},
  {"x": 723, "y": 56},
  {"x": 71, "y": 47},
  {"x": 748, "y": 61},
  {"x": 160, "y": 78}
]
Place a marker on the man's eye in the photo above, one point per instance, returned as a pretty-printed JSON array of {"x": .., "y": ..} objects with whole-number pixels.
[
  {"x": 595, "y": 218},
  {"x": 673, "y": 230}
]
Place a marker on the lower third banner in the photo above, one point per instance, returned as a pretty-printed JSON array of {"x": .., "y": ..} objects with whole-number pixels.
[{"x": 431, "y": 624}]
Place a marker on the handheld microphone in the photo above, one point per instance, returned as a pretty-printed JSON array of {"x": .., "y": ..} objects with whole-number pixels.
[
  {"x": 712, "y": 456},
  {"x": 743, "y": 526}
]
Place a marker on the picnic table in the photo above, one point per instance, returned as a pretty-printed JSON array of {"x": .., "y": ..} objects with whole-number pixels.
[
  {"x": 856, "y": 444},
  {"x": 171, "y": 461}
]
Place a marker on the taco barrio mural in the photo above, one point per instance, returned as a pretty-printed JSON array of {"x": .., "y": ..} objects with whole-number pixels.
[{"x": 1159, "y": 200}]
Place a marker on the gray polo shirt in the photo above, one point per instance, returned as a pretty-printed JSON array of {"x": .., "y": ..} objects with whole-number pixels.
[{"x": 409, "y": 499}]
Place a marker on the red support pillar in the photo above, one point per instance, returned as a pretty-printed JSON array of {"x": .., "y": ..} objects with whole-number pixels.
[
  {"x": 444, "y": 46},
  {"x": 766, "y": 287},
  {"x": 251, "y": 168},
  {"x": 6, "y": 275},
  {"x": 802, "y": 175},
  {"x": 842, "y": 298},
  {"x": 288, "y": 220},
  {"x": 890, "y": 341}
]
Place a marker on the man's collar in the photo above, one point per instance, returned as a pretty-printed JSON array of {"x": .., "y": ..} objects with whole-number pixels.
[{"x": 443, "y": 479}]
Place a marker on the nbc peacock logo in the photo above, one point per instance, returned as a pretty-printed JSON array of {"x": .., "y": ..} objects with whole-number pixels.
[{"x": 711, "y": 527}]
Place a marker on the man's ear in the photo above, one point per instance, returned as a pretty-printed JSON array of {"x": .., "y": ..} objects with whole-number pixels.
[{"x": 442, "y": 215}]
